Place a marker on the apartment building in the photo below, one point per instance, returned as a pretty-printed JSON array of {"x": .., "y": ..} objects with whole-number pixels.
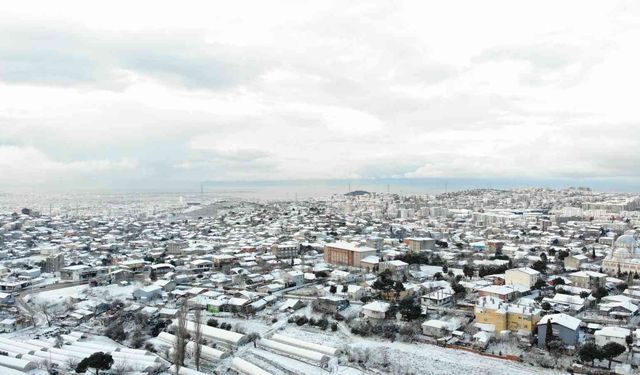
[{"x": 506, "y": 316}]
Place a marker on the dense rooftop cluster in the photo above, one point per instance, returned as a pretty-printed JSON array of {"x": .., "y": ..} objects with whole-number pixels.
[{"x": 272, "y": 286}]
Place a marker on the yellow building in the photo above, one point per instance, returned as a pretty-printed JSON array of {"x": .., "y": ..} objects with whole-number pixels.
[{"x": 506, "y": 316}]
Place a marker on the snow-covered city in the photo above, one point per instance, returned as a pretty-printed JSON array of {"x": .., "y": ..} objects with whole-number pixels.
[{"x": 478, "y": 281}]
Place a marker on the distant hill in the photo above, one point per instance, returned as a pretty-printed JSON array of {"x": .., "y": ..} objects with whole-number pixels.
[{"x": 357, "y": 192}]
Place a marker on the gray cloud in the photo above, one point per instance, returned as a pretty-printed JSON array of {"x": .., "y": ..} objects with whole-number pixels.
[
  {"x": 72, "y": 57},
  {"x": 367, "y": 89}
]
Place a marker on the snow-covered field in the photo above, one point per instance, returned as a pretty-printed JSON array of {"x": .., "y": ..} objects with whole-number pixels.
[
  {"x": 100, "y": 293},
  {"x": 402, "y": 358}
]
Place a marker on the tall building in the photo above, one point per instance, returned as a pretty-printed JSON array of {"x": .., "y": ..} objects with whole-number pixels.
[
  {"x": 285, "y": 250},
  {"x": 53, "y": 263}
]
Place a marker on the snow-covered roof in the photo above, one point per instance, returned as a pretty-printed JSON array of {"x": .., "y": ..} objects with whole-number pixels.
[
  {"x": 527, "y": 270},
  {"x": 350, "y": 246},
  {"x": 377, "y": 306},
  {"x": 618, "y": 332},
  {"x": 562, "y": 319}
]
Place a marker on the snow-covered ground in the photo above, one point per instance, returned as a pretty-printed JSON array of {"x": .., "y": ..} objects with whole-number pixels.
[
  {"x": 100, "y": 293},
  {"x": 402, "y": 358}
]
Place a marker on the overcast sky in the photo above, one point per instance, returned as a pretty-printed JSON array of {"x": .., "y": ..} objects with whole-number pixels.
[{"x": 142, "y": 93}]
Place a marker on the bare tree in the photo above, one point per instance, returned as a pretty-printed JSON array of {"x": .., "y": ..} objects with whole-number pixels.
[
  {"x": 121, "y": 368},
  {"x": 197, "y": 338},
  {"x": 180, "y": 343},
  {"x": 71, "y": 364},
  {"x": 43, "y": 309}
]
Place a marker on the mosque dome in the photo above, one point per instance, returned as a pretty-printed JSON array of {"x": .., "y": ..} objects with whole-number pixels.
[
  {"x": 621, "y": 253},
  {"x": 628, "y": 241}
]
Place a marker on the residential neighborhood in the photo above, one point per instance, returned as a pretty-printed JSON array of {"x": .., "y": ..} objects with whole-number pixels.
[{"x": 541, "y": 279}]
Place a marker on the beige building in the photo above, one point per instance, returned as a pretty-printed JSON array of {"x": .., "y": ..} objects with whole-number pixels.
[
  {"x": 346, "y": 254},
  {"x": 588, "y": 279},
  {"x": 573, "y": 262},
  {"x": 418, "y": 244},
  {"x": 523, "y": 276}
]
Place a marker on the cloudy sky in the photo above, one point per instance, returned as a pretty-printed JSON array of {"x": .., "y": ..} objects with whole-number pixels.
[{"x": 146, "y": 93}]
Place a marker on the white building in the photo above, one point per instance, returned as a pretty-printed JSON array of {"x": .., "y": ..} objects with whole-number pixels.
[
  {"x": 523, "y": 276},
  {"x": 375, "y": 310},
  {"x": 612, "y": 334}
]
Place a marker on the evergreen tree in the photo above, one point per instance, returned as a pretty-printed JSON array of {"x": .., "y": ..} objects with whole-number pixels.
[
  {"x": 98, "y": 361},
  {"x": 611, "y": 350},
  {"x": 410, "y": 309},
  {"x": 548, "y": 334},
  {"x": 589, "y": 352}
]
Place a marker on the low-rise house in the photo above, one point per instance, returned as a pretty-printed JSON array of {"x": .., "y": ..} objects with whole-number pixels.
[
  {"x": 564, "y": 302},
  {"x": 168, "y": 313},
  {"x": 270, "y": 288},
  {"x": 370, "y": 263},
  {"x": 294, "y": 278},
  {"x": 78, "y": 272},
  {"x": 148, "y": 293},
  {"x": 201, "y": 265},
  {"x": 438, "y": 298},
  {"x": 588, "y": 279},
  {"x": 292, "y": 304},
  {"x": 375, "y": 310},
  {"x": 236, "y": 305},
  {"x": 501, "y": 292},
  {"x": 439, "y": 328},
  {"x": 420, "y": 243},
  {"x": 330, "y": 304},
  {"x": 619, "y": 310},
  {"x": 135, "y": 265},
  {"x": 161, "y": 269},
  {"x": 220, "y": 260},
  {"x": 166, "y": 285},
  {"x": 351, "y": 292},
  {"x": 612, "y": 334},
  {"x": 397, "y": 268},
  {"x": 563, "y": 326},
  {"x": 8, "y": 325},
  {"x": 7, "y": 299}
]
